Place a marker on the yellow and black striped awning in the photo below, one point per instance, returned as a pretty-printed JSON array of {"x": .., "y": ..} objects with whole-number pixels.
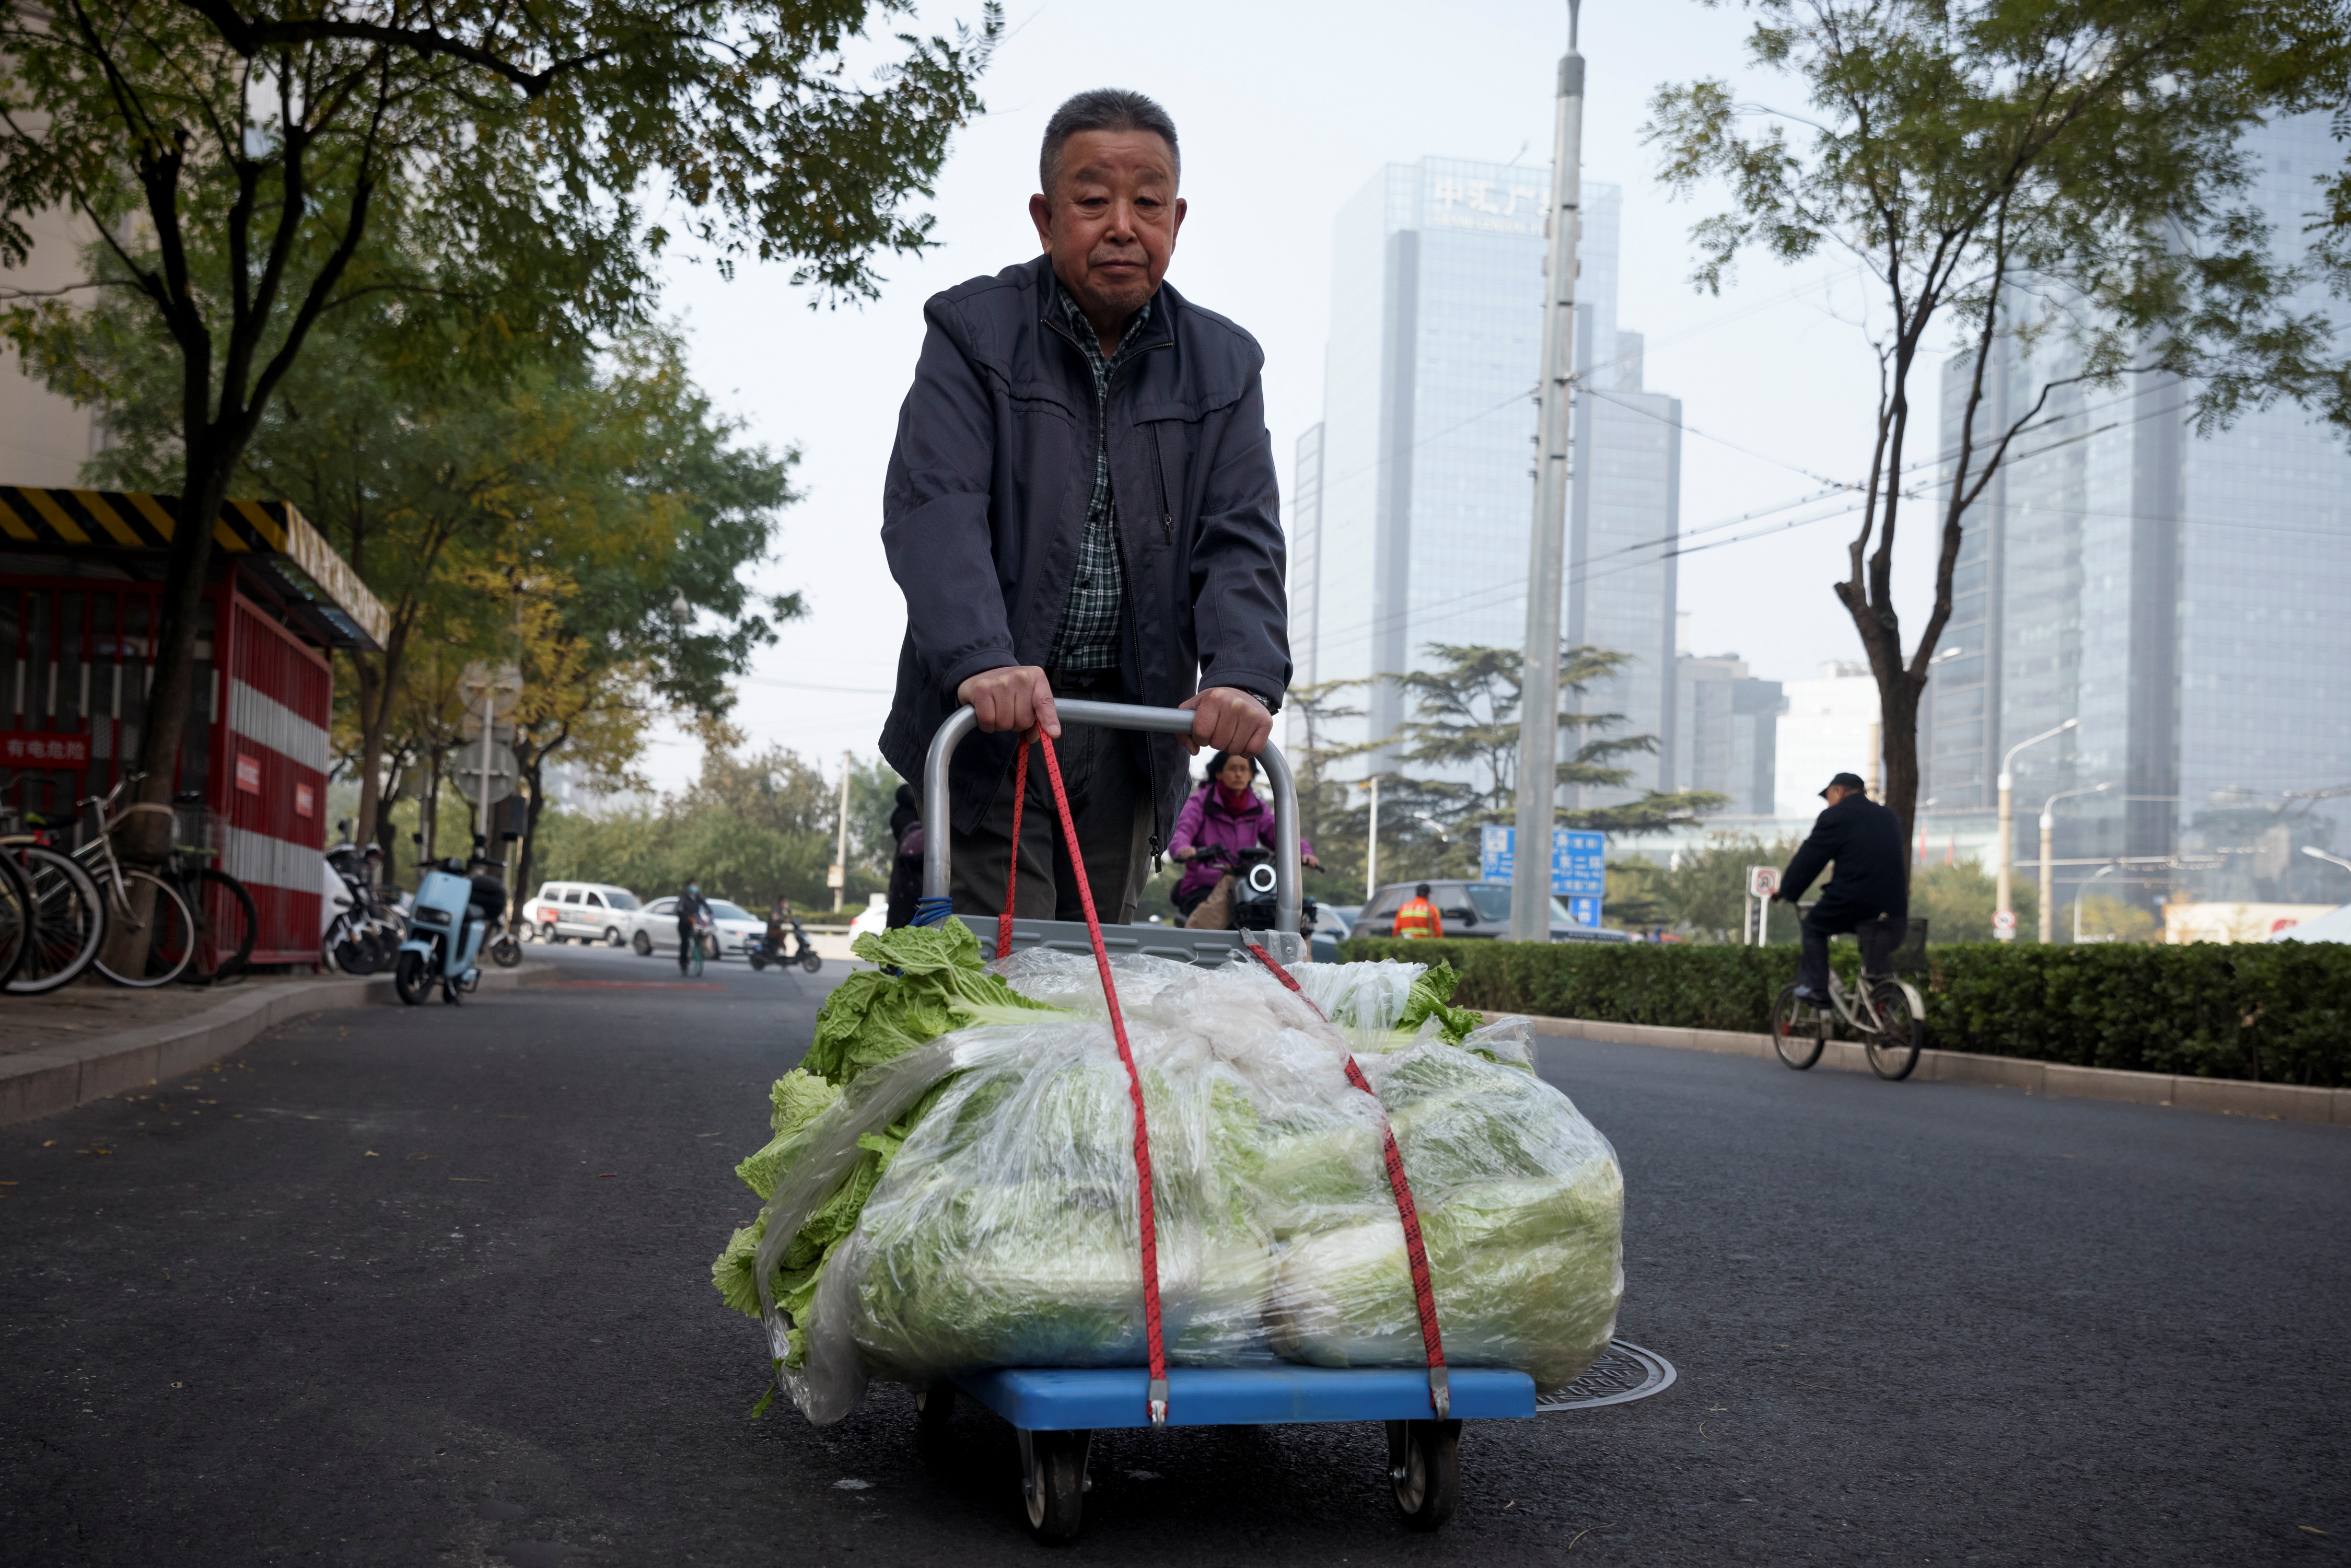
[{"x": 270, "y": 535}]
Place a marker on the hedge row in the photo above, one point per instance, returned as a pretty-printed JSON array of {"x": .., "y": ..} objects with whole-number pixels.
[{"x": 2277, "y": 1011}]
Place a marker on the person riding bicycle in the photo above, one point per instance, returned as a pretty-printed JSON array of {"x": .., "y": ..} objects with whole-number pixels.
[
  {"x": 1223, "y": 817},
  {"x": 692, "y": 915},
  {"x": 1868, "y": 891},
  {"x": 1418, "y": 917}
]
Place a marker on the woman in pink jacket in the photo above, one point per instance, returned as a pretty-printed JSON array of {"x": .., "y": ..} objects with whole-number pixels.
[{"x": 1223, "y": 814}]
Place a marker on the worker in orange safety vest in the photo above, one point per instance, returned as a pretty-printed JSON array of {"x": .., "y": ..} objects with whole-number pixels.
[{"x": 1418, "y": 917}]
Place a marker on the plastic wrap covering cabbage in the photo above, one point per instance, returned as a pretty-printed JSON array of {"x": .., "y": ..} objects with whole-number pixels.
[
  {"x": 970, "y": 1200},
  {"x": 1381, "y": 1005},
  {"x": 1520, "y": 1206}
]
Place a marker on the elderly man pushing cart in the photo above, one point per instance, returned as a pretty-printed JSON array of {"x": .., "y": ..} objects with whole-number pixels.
[{"x": 1081, "y": 503}]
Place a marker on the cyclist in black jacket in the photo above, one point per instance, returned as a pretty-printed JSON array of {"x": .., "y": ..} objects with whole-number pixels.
[
  {"x": 692, "y": 909},
  {"x": 1869, "y": 890}
]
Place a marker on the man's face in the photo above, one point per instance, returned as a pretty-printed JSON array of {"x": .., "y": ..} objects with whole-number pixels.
[
  {"x": 1110, "y": 220},
  {"x": 1838, "y": 792}
]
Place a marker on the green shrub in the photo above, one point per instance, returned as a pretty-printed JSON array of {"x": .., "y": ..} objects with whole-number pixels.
[{"x": 2278, "y": 1011}]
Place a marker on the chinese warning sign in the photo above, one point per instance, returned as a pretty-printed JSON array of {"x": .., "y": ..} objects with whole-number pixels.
[{"x": 24, "y": 748}]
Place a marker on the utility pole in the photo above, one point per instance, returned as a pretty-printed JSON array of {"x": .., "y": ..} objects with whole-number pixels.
[
  {"x": 1547, "y": 548},
  {"x": 2003, "y": 916},
  {"x": 1372, "y": 845},
  {"x": 839, "y": 878}
]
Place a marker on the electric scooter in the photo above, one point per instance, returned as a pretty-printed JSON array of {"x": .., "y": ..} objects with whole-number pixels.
[
  {"x": 454, "y": 909},
  {"x": 767, "y": 952}
]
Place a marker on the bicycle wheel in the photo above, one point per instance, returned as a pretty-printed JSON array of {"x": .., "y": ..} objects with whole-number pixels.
[
  {"x": 170, "y": 932},
  {"x": 1893, "y": 1045},
  {"x": 1799, "y": 1031},
  {"x": 225, "y": 922},
  {"x": 17, "y": 918},
  {"x": 69, "y": 920}
]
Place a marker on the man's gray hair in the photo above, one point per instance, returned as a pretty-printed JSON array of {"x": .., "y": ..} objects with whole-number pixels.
[{"x": 1103, "y": 108}]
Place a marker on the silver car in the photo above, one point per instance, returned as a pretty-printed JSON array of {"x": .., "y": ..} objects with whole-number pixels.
[{"x": 656, "y": 928}]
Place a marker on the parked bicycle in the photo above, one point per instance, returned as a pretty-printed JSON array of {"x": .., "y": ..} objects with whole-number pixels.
[
  {"x": 226, "y": 918},
  {"x": 1885, "y": 1012},
  {"x": 66, "y": 917},
  {"x": 167, "y": 930}
]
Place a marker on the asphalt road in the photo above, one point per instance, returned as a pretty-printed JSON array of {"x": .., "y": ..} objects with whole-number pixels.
[{"x": 430, "y": 1286}]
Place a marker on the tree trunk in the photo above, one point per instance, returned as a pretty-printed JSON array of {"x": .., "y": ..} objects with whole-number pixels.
[
  {"x": 375, "y": 706},
  {"x": 143, "y": 839},
  {"x": 429, "y": 807},
  {"x": 537, "y": 803},
  {"x": 1897, "y": 727}
]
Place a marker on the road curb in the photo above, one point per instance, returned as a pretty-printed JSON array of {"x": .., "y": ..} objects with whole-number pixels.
[
  {"x": 44, "y": 1083},
  {"x": 2231, "y": 1096}
]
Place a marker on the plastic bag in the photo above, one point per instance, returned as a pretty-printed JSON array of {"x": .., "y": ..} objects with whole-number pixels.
[
  {"x": 1003, "y": 1230},
  {"x": 1520, "y": 1204}
]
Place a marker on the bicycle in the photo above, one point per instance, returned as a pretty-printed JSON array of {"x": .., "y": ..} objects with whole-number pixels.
[
  {"x": 1886, "y": 1012},
  {"x": 66, "y": 917},
  {"x": 170, "y": 925},
  {"x": 705, "y": 942},
  {"x": 226, "y": 918}
]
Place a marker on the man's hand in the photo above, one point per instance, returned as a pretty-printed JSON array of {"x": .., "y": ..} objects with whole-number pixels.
[
  {"x": 1017, "y": 696},
  {"x": 1226, "y": 719}
]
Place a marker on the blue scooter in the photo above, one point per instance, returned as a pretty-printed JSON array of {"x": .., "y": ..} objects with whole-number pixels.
[{"x": 454, "y": 909}]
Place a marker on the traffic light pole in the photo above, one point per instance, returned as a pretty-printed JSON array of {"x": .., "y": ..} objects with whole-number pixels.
[{"x": 1547, "y": 548}]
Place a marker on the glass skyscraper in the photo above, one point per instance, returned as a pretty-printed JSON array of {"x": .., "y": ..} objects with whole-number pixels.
[
  {"x": 2188, "y": 599},
  {"x": 1413, "y": 497}
]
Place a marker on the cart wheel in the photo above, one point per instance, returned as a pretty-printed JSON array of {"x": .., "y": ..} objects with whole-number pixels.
[
  {"x": 934, "y": 1407},
  {"x": 1053, "y": 1484},
  {"x": 1425, "y": 1468}
]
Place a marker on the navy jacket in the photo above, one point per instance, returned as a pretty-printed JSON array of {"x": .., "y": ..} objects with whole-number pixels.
[
  {"x": 1864, "y": 839},
  {"x": 987, "y": 495}
]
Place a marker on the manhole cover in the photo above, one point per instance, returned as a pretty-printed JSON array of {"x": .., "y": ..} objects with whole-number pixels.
[{"x": 1625, "y": 1372}]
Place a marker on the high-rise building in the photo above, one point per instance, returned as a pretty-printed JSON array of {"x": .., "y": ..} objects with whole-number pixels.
[
  {"x": 1829, "y": 726},
  {"x": 2188, "y": 599},
  {"x": 1305, "y": 511},
  {"x": 1414, "y": 496},
  {"x": 1726, "y": 733}
]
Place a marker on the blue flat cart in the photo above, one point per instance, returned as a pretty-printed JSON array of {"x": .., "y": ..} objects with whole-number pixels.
[{"x": 1056, "y": 1413}]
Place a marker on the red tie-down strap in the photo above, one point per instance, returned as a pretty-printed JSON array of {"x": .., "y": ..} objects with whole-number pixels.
[
  {"x": 1424, "y": 1294},
  {"x": 1158, "y": 1351}
]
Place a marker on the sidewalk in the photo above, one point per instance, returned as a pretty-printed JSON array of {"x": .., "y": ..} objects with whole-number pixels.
[
  {"x": 2229, "y": 1096},
  {"x": 91, "y": 1039}
]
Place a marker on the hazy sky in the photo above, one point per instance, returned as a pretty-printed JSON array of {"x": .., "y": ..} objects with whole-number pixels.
[{"x": 1285, "y": 110}]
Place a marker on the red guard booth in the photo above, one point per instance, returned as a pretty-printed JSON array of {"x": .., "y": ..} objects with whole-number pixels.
[{"x": 80, "y": 594}]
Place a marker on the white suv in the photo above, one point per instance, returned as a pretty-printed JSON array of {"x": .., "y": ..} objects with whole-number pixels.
[{"x": 584, "y": 911}]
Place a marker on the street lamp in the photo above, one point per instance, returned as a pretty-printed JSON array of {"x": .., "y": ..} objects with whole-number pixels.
[
  {"x": 2315, "y": 853},
  {"x": 2083, "y": 896},
  {"x": 2048, "y": 867},
  {"x": 2003, "y": 919}
]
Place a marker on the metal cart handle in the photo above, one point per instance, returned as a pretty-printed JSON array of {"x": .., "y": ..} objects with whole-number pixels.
[{"x": 1288, "y": 874}]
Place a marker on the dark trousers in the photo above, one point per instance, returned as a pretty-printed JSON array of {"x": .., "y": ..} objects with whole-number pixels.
[
  {"x": 1879, "y": 933},
  {"x": 1110, "y": 797},
  {"x": 686, "y": 937}
]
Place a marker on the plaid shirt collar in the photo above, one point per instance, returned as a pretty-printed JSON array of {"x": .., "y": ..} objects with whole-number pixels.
[{"x": 1088, "y": 339}]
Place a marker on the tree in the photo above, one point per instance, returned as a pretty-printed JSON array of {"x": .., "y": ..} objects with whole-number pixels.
[
  {"x": 241, "y": 173},
  {"x": 442, "y": 484},
  {"x": 2059, "y": 168},
  {"x": 582, "y": 700},
  {"x": 1465, "y": 717}
]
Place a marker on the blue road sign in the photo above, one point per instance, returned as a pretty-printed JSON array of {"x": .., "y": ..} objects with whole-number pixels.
[{"x": 1579, "y": 868}]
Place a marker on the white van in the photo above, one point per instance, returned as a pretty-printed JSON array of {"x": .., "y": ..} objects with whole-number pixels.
[{"x": 583, "y": 911}]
